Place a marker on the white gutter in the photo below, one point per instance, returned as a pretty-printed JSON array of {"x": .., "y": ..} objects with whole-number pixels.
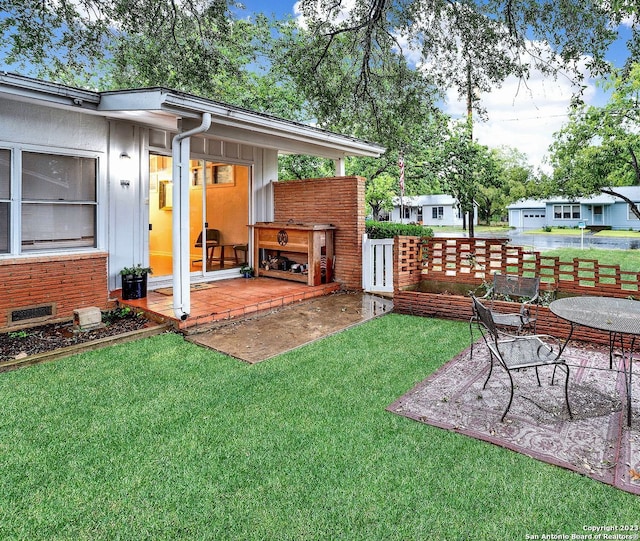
[{"x": 181, "y": 267}]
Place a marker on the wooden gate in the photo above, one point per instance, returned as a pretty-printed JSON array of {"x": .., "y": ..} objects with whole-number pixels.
[{"x": 377, "y": 265}]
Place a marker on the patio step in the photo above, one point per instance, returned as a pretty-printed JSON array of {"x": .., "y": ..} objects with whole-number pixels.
[{"x": 206, "y": 322}]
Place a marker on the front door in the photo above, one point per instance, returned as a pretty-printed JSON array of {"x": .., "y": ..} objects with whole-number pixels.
[
  {"x": 219, "y": 214},
  {"x": 598, "y": 215}
]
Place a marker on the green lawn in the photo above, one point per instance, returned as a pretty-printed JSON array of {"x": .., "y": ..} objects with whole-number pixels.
[
  {"x": 627, "y": 260},
  {"x": 160, "y": 439}
]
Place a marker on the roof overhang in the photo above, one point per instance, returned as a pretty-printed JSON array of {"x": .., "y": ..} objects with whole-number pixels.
[
  {"x": 234, "y": 123},
  {"x": 166, "y": 109}
]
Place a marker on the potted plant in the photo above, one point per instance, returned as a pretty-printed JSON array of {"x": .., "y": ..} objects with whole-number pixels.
[
  {"x": 246, "y": 270},
  {"x": 134, "y": 282}
]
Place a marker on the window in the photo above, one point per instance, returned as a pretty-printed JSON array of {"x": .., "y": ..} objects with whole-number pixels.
[
  {"x": 406, "y": 213},
  {"x": 419, "y": 215},
  {"x": 630, "y": 214},
  {"x": 59, "y": 201},
  {"x": 566, "y": 212},
  {"x": 5, "y": 194},
  {"x": 437, "y": 213}
]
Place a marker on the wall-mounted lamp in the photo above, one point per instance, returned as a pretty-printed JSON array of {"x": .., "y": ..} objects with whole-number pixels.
[
  {"x": 124, "y": 182},
  {"x": 125, "y": 156}
]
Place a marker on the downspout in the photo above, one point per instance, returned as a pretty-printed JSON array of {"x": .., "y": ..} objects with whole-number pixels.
[{"x": 180, "y": 251}]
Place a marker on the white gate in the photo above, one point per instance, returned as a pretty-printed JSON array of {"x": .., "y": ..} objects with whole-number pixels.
[{"x": 377, "y": 265}]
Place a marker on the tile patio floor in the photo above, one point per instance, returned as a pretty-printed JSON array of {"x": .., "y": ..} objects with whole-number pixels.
[{"x": 228, "y": 299}]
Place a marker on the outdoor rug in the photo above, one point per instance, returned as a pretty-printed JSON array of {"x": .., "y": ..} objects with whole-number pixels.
[
  {"x": 596, "y": 443},
  {"x": 194, "y": 287}
]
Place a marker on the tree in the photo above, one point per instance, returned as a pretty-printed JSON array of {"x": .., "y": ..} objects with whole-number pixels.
[
  {"x": 465, "y": 166},
  {"x": 514, "y": 180},
  {"x": 599, "y": 148},
  {"x": 454, "y": 42},
  {"x": 298, "y": 166},
  {"x": 196, "y": 46},
  {"x": 379, "y": 194}
]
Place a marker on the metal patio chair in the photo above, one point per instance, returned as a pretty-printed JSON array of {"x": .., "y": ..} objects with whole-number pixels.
[
  {"x": 514, "y": 352},
  {"x": 510, "y": 287}
]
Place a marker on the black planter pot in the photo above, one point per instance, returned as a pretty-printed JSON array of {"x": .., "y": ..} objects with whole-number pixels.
[{"x": 134, "y": 287}]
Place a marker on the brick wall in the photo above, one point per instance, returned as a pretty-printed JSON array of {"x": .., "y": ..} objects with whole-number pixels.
[
  {"x": 68, "y": 282},
  {"x": 338, "y": 201},
  {"x": 458, "y": 307},
  {"x": 407, "y": 266}
]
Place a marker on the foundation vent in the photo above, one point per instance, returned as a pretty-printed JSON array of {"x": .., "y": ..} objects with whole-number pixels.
[{"x": 30, "y": 314}]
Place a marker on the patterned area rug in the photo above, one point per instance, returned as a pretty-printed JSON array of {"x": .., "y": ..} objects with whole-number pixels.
[{"x": 596, "y": 443}]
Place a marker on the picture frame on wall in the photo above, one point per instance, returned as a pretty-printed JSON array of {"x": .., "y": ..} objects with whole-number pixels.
[
  {"x": 165, "y": 195},
  {"x": 223, "y": 174}
]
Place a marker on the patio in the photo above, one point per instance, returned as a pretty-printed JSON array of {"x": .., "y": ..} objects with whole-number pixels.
[
  {"x": 597, "y": 442},
  {"x": 227, "y": 299}
]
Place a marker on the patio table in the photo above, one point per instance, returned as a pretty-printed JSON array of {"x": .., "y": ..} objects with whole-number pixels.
[{"x": 618, "y": 317}]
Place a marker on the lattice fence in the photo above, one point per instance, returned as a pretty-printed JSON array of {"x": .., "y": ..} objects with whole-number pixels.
[{"x": 476, "y": 260}]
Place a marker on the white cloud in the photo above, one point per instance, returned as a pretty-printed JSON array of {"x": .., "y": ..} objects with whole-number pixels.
[
  {"x": 520, "y": 114},
  {"x": 523, "y": 114}
]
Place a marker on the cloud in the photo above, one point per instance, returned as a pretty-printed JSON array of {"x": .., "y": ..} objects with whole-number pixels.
[{"x": 524, "y": 114}]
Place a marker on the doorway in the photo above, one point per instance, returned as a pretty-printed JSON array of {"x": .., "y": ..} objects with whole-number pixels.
[
  {"x": 218, "y": 214},
  {"x": 597, "y": 215}
]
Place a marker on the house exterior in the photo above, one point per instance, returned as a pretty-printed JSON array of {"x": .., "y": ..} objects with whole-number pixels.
[
  {"x": 600, "y": 210},
  {"x": 429, "y": 210},
  {"x": 92, "y": 182}
]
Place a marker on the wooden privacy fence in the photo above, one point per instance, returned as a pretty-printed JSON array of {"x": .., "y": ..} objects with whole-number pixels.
[{"x": 476, "y": 260}]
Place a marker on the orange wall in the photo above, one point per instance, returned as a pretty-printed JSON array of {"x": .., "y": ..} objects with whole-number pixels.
[
  {"x": 338, "y": 201},
  {"x": 69, "y": 282}
]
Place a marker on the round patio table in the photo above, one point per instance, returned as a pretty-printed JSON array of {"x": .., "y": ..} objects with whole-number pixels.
[{"x": 618, "y": 317}]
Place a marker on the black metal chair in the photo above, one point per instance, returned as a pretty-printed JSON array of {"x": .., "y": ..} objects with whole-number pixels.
[
  {"x": 514, "y": 352},
  {"x": 509, "y": 287}
]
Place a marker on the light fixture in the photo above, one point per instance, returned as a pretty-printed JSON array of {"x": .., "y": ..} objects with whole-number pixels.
[{"x": 124, "y": 156}]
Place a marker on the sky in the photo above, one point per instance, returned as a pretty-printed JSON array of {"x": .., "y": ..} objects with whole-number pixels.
[{"x": 520, "y": 116}]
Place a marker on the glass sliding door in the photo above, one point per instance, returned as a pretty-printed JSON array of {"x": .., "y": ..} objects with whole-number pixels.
[{"x": 219, "y": 214}]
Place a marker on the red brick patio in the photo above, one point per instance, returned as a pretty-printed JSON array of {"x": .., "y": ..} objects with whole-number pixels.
[{"x": 229, "y": 299}]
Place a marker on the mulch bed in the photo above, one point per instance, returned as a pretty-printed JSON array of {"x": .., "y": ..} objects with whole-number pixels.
[
  {"x": 54, "y": 336},
  {"x": 597, "y": 442}
]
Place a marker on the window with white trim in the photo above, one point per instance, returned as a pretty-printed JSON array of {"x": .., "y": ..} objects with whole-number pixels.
[
  {"x": 58, "y": 205},
  {"x": 437, "y": 213},
  {"x": 5, "y": 198},
  {"x": 566, "y": 212},
  {"x": 630, "y": 214}
]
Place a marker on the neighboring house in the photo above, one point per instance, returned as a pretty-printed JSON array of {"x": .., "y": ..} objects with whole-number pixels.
[
  {"x": 599, "y": 210},
  {"x": 430, "y": 210},
  {"x": 91, "y": 182}
]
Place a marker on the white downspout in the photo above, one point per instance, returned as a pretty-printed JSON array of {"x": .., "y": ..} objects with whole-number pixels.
[{"x": 180, "y": 252}]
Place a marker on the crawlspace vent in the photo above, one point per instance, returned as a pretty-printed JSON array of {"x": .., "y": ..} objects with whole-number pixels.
[{"x": 31, "y": 312}]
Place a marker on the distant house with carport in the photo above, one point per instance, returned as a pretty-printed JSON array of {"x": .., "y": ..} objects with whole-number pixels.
[{"x": 598, "y": 211}]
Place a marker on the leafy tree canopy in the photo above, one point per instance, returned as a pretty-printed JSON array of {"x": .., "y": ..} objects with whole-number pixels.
[
  {"x": 599, "y": 148},
  {"x": 455, "y": 44}
]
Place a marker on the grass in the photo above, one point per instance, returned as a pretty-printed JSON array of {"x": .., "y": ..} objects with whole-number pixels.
[
  {"x": 617, "y": 233},
  {"x": 160, "y": 439},
  {"x": 627, "y": 259}
]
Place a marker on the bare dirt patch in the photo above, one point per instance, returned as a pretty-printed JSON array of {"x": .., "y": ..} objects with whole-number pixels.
[{"x": 55, "y": 336}]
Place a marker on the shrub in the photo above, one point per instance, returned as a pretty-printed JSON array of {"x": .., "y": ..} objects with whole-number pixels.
[{"x": 388, "y": 230}]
